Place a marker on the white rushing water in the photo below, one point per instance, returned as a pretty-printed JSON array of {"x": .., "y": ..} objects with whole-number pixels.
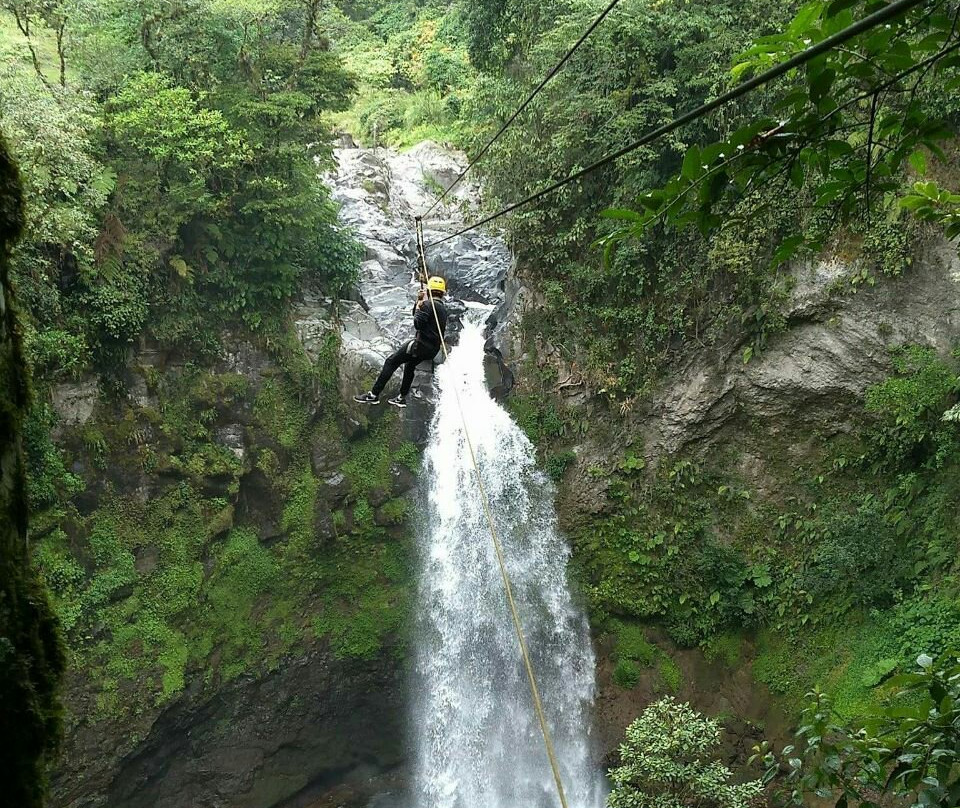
[{"x": 478, "y": 744}]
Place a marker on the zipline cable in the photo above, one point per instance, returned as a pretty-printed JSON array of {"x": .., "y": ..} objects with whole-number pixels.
[
  {"x": 525, "y": 104},
  {"x": 886, "y": 85},
  {"x": 498, "y": 550},
  {"x": 879, "y": 17}
]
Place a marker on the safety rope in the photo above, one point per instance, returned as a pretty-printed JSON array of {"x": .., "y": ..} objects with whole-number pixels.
[
  {"x": 526, "y": 103},
  {"x": 883, "y": 15},
  {"x": 497, "y": 546}
]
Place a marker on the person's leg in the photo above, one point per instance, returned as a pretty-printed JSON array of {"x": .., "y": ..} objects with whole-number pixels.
[
  {"x": 419, "y": 355},
  {"x": 389, "y": 368},
  {"x": 408, "y": 371}
]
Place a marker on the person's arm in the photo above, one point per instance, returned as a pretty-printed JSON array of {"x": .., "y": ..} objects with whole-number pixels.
[
  {"x": 416, "y": 307},
  {"x": 422, "y": 315}
]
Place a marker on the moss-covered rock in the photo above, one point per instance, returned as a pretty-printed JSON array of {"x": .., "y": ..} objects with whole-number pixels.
[
  {"x": 31, "y": 658},
  {"x": 204, "y": 532}
]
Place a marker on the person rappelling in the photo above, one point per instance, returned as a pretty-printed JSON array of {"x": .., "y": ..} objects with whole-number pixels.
[{"x": 428, "y": 312}]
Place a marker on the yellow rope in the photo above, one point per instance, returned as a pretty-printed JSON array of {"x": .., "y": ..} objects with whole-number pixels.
[{"x": 498, "y": 548}]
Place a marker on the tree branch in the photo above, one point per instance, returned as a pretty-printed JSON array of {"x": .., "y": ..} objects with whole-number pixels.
[{"x": 23, "y": 23}]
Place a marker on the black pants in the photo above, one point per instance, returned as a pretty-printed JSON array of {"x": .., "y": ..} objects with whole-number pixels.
[{"x": 410, "y": 355}]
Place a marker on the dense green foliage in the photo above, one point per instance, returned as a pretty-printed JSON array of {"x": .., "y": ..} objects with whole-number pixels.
[
  {"x": 908, "y": 751},
  {"x": 667, "y": 761},
  {"x": 31, "y": 656},
  {"x": 172, "y": 179},
  {"x": 848, "y": 578},
  {"x": 838, "y": 135},
  {"x": 172, "y": 167},
  {"x": 760, "y": 188},
  {"x": 191, "y": 583},
  {"x": 852, "y": 559},
  {"x": 171, "y": 153}
]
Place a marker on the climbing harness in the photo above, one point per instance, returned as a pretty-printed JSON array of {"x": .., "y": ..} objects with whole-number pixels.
[{"x": 498, "y": 547}]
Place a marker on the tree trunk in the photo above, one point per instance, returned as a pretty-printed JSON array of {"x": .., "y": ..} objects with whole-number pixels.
[
  {"x": 309, "y": 28},
  {"x": 61, "y": 27},
  {"x": 23, "y": 23}
]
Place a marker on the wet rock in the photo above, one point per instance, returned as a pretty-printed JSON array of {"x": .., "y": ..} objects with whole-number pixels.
[
  {"x": 74, "y": 402},
  {"x": 313, "y": 324},
  {"x": 245, "y": 359},
  {"x": 231, "y": 437},
  {"x": 475, "y": 265},
  {"x": 336, "y": 487},
  {"x": 256, "y": 742},
  {"x": 363, "y": 348},
  {"x": 139, "y": 393},
  {"x": 146, "y": 559},
  {"x": 499, "y": 377}
]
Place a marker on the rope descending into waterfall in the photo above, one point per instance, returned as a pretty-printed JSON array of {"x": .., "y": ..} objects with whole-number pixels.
[{"x": 498, "y": 548}]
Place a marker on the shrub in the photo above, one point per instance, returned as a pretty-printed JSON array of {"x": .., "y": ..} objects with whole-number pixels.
[{"x": 668, "y": 759}]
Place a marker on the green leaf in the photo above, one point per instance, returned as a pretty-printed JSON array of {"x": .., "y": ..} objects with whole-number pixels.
[
  {"x": 807, "y": 15},
  {"x": 797, "y": 174},
  {"x": 838, "y": 6},
  {"x": 180, "y": 266},
  {"x": 787, "y": 249},
  {"x": 919, "y": 162},
  {"x": 838, "y": 148},
  {"x": 622, "y": 214},
  {"x": 691, "y": 163},
  {"x": 820, "y": 83}
]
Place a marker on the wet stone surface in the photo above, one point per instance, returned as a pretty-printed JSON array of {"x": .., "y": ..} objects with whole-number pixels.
[{"x": 380, "y": 192}]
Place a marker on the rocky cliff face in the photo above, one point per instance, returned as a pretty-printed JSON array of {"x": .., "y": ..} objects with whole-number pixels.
[
  {"x": 718, "y": 427},
  {"x": 234, "y": 643},
  {"x": 812, "y": 377}
]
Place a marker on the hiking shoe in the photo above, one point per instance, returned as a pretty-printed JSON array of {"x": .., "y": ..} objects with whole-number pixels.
[
  {"x": 398, "y": 401},
  {"x": 367, "y": 398}
]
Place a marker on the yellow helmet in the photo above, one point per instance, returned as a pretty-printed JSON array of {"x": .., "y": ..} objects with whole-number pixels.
[{"x": 437, "y": 284}]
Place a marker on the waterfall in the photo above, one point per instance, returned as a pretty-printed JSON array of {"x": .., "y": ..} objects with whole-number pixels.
[{"x": 477, "y": 740}]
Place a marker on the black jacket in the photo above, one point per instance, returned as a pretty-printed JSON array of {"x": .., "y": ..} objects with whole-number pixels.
[{"x": 426, "y": 324}]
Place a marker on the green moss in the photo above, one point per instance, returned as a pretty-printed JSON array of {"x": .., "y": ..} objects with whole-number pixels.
[
  {"x": 299, "y": 512},
  {"x": 373, "y": 457},
  {"x": 395, "y": 511},
  {"x": 160, "y": 618},
  {"x": 632, "y": 643},
  {"x": 537, "y": 417},
  {"x": 726, "y": 648},
  {"x": 47, "y": 477},
  {"x": 670, "y": 673},
  {"x": 283, "y": 413},
  {"x": 626, "y": 674},
  {"x": 31, "y": 656},
  {"x": 853, "y": 658},
  {"x": 366, "y": 597},
  {"x": 364, "y": 524},
  {"x": 246, "y": 577},
  {"x": 556, "y": 464}
]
